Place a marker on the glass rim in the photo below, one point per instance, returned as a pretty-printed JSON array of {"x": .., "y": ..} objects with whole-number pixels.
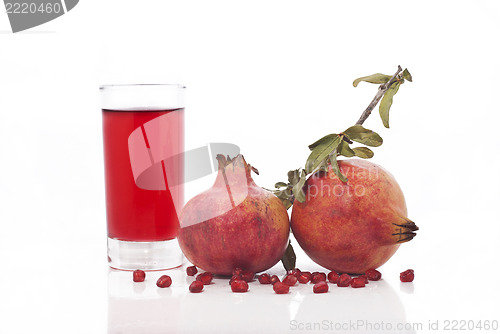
[{"x": 181, "y": 86}]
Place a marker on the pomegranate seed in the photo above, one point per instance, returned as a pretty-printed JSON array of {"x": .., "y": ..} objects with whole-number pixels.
[
  {"x": 306, "y": 274},
  {"x": 358, "y": 282},
  {"x": 320, "y": 287},
  {"x": 237, "y": 271},
  {"x": 191, "y": 271},
  {"x": 265, "y": 279},
  {"x": 333, "y": 277},
  {"x": 239, "y": 286},
  {"x": 303, "y": 279},
  {"x": 295, "y": 272},
  {"x": 318, "y": 277},
  {"x": 281, "y": 288},
  {"x": 274, "y": 279},
  {"x": 364, "y": 277},
  {"x": 234, "y": 278},
  {"x": 205, "y": 278},
  {"x": 247, "y": 276},
  {"x": 164, "y": 281},
  {"x": 407, "y": 275},
  {"x": 139, "y": 275},
  {"x": 344, "y": 280},
  {"x": 373, "y": 275},
  {"x": 290, "y": 280},
  {"x": 196, "y": 287}
]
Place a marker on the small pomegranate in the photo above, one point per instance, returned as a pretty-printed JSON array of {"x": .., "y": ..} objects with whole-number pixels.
[
  {"x": 235, "y": 224},
  {"x": 353, "y": 226}
]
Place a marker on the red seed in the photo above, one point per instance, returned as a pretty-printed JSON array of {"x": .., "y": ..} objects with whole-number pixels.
[
  {"x": 191, "y": 271},
  {"x": 239, "y": 286},
  {"x": 290, "y": 280},
  {"x": 303, "y": 279},
  {"x": 344, "y": 280},
  {"x": 364, "y": 277},
  {"x": 237, "y": 271},
  {"x": 164, "y": 281},
  {"x": 407, "y": 275},
  {"x": 247, "y": 276},
  {"x": 358, "y": 282},
  {"x": 196, "y": 287},
  {"x": 233, "y": 278},
  {"x": 275, "y": 279},
  {"x": 295, "y": 272},
  {"x": 139, "y": 275},
  {"x": 373, "y": 275},
  {"x": 265, "y": 279},
  {"x": 318, "y": 277},
  {"x": 320, "y": 287},
  {"x": 306, "y": 274},
  {"x": 281, "y": 288},
  {"x": 205, "y": 278},
  {"x": 333, "y": 277}
]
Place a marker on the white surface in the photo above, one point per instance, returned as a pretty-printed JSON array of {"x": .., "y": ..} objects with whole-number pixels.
[{"x": 272, "y": 77}]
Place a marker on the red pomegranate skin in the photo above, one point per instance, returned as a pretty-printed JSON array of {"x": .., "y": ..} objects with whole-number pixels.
[
  {"x": 354, "y": 226},
  {"x": 235, "y": 224}
]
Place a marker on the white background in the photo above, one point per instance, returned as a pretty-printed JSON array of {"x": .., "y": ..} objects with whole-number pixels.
[{"x": 271, "y": 77}]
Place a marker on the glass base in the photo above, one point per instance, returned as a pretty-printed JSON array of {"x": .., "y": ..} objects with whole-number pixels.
[{"x": 151, "y": 255}]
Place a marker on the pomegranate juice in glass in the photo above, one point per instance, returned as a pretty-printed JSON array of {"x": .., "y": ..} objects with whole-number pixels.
[{"x": 143, "y": 135}]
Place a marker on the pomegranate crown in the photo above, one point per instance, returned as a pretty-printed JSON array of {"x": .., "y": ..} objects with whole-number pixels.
[{"x": 237, "y": 161}]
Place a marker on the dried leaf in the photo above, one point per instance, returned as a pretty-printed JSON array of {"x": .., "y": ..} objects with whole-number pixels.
[
  {"x": 386, "y": 103},
  {"x": 363, "y": 152},
  {"x": 377, "y": 78},
  {"x": 326, "y": 139},
  {"x": 364, "y": 136},
  {"x": 280, "y": 185},
  {"x": 321, "y": 152},
  {"x": 289, "y": 258},
  {"x": 406, "y": 75},
  {"x": 293, "y": 176},
  {"x": 336, "y": 168},
  {"x": 345, "y": 149},
  {"x": 297, "y": 191}
]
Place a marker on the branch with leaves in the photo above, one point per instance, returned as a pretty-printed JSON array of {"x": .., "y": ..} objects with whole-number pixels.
[{"x": 324, "y": 151}]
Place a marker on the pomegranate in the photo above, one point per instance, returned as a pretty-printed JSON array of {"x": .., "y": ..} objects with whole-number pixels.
[
  {"x": 235, "y": 224},
  {"x": 354, "y": 226}
]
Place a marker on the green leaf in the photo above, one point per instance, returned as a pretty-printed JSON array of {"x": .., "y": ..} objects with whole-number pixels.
[
  {"x": 297, "y": 191},
  {"x": 293, "y": 176},
  {"x": 289, "y": 258},
  {"x": 345, "y": 149},
  {"x": 336, "y": 169},
  {"x": 280, "y": 185},
  {"x": 322, "y": 141},
  {"x": 363, "y": 152},
  {"x": 406, "y": 75},
  {"x": 386, "y": 103},
  {"x": 377, "y": 78},
  {"x": 364, "y": 136},
  {"x": 321, "y": 152}
]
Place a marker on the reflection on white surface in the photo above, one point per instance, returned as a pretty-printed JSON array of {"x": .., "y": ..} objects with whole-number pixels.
[{"x": 145, "y": 308}]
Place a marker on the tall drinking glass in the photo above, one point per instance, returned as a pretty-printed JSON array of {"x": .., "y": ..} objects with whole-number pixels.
[{"x": 143, "y": 134}]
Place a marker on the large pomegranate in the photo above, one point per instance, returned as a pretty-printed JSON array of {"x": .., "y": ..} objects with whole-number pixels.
[
  {"x": 354, "y": 226},
  {"x": 235, "y": 224}
]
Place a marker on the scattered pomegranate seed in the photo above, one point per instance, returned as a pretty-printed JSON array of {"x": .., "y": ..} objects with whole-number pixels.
[
  {"x": 407, "y": 275},
  {"x": 205, "y": 278},
  {"x": 364, "y": 277},
  {"x": 358, "y": 282},
  {"x": 139, "y": 275},
  {"x": 239, "y": 286},
  {"x": 333, "y": 277},
  {"x": 306, "y": 274},
  {"x": 295, "y": 272},
  {"x": 237, "y": 271},
  {"x": 373, "y": 275},
  {"x": 191, "y": 271},
  {"x": 320, "y": 287},
  {"x": 344, "y": 280},
  {"x": 164, "y": 281},
  {"x": 275, "y": 279},
  {"x": 317, "y": 277},
  {"x": 303, "y": 279},
  {"x": 247, "y": 276},
  {"x": 281, "y": 288},
  {"x": 290, "y": 280},
  {"x": 234, "y": 278},
  {"x": 265, "y": 279},
  {"x": 196, "y": 287}
]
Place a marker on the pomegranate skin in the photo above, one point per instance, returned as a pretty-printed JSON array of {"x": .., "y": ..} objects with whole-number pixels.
[
  {"x": 354, "y": 226},
  {"x": 235, "y": 224}
]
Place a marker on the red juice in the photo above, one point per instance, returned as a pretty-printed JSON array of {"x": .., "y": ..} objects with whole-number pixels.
[{"x": 144, "y": 171}]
